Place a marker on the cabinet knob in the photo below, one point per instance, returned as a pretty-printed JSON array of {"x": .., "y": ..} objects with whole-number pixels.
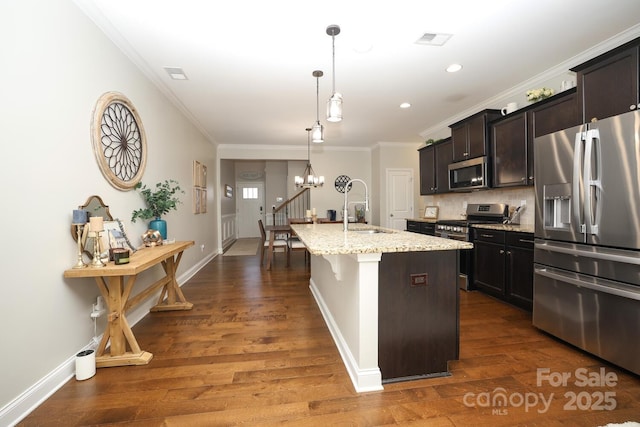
[
  {"x": 523, "y": 179},
  {"x": 465, "y": 154},
  {"x": 632, "y": 107},
  {"x": 530, "y": 178},
  {"x": 501, "y": 251}
]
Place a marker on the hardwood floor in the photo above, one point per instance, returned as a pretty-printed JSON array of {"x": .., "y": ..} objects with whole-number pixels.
[{"x": 255, "y": 351}]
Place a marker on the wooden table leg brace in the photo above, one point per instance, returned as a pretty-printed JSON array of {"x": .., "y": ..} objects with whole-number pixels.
[
  {"x": 171, "y": 289},
  {"x": 118, "y": 332}
]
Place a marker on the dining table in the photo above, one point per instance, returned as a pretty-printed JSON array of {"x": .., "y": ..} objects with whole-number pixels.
[{"x": 273, "y": 230}]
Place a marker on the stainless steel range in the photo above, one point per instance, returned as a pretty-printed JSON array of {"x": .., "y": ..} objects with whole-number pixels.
[{"x": 459, "y": 229}]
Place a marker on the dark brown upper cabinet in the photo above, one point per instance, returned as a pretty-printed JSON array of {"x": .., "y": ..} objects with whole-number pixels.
[
  {"x": 434, "y": 164},
  {"x": 512, "y": 136},
  {"x": 608, "y": 84},
  {"x": 470, "y": 137}
]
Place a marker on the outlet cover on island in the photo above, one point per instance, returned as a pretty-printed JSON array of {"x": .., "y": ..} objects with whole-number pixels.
[{"x": 523, "y": 202}]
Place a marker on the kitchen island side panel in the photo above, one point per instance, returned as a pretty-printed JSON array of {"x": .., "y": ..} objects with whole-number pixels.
[
  {"x": 346, "y": 290},
  {"x": 418, "y": 327}
]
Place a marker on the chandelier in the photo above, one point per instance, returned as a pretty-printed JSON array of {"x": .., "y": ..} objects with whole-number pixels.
[{"x": 309, "y": 179}]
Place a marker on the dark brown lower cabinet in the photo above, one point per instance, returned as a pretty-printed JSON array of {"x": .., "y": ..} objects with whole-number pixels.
[
  {"x": 504, "y": 265},
  {"x": 520, "y": 269},
  {"x": 417, "y": 314},
  {"x": 489, "y": 262}
]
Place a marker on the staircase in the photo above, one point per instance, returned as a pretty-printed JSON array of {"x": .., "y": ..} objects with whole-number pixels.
[{"x": 295, "y": 207}]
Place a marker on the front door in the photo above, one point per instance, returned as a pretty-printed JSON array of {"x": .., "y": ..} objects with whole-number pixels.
[
  {"x": 399, "y": 197},
  {"x": 249, "y": 208}
]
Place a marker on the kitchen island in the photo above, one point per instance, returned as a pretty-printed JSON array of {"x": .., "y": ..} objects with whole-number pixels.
[{"x": 389, "y": 298}]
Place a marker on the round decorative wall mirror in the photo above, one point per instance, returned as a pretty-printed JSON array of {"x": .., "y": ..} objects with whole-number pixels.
[{"x": 119, "y": 141}]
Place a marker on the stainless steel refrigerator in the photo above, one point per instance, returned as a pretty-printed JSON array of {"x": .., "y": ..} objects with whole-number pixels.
[{"x": 587, "y": 238}]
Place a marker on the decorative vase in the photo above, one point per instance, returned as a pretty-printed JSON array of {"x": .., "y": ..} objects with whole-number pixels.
[{"x": 159, "y": 225}]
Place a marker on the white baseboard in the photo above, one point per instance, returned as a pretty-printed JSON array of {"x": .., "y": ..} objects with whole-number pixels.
[
  {"x": 363, "y": 380},
  {"x": 30, "y": 399}
]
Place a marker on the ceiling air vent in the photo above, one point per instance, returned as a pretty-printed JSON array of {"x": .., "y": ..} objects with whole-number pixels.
[
  {"x": 176, "y": 73},
  {"x": 433, "y": 39}
]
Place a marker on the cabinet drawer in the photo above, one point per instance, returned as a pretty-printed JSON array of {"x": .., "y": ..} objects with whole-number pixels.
[
  {"x": 413, "y": 226},
  {"x": 489, "y": 236},
  {"x": 428, "y": 228},
  {"x": 521, "y": 240}
]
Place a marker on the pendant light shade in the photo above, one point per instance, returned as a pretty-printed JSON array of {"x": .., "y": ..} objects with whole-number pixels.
[
  {"x": 334, "y": 108},
  {"x": 309, "y": 179},
  {"x": 317, "y": 131},
  {"x": 334, "y": 105}
]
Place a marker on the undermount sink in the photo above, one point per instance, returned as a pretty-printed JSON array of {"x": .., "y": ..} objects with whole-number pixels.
[{"x": 369, "y": 231}]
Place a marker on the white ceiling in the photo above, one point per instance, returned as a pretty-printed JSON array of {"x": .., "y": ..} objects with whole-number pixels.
[{"x": 249, "y": 62}]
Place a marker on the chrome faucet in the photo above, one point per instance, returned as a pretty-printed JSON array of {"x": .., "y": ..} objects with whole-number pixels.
[{"x": 345, "y": 209}]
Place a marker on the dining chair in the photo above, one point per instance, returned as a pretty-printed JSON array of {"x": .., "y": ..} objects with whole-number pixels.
[
  {"x": 277, "y": 243},
  {"x": 294, "y": 242}
]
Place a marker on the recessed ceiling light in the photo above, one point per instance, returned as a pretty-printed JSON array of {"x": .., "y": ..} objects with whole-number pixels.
[
  {"x": 405, "y": 105},
  {"x": 176, "y": 73},
  {"x": 453, "y": 68}
]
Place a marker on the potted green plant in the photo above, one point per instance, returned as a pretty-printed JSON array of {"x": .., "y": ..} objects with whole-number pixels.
[{"x": 159, "y": 202}]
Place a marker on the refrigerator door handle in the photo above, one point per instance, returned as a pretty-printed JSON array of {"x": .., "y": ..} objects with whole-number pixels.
[
  {"x": 609, "y": 289},
  {"x": 592, "y": 183},
  {"x": 577, "y": 176},
  {"x": 587, "y": 254}
]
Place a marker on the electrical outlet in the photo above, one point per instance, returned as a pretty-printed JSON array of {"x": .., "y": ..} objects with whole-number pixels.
[
  {"x": 523, "y": 202},
  {"x": 420, "y": 279},
  {"x": 202, "y": 248}
]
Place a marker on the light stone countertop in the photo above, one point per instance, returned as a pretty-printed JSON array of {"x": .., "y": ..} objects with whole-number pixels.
[
  {"x": 523, "y": 228},
  {"x": 429, "y": 220},
  {"x": 330, "y": 239}
]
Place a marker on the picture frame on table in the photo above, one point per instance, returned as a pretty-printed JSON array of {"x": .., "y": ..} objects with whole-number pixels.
[
  {"x": 431, "y": 212},
  {"x": 115, "y": 236}
]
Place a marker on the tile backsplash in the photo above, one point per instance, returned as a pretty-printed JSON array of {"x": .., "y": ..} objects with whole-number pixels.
[{"x": 453, "y": 205}]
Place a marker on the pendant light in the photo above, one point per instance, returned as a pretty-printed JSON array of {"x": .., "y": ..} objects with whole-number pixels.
[
  {"x": 334, "y": 105},
  {"x": 309, "y": 179},
  {"x": 317, "y": 131}
]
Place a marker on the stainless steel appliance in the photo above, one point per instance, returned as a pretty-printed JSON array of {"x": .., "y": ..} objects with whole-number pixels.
[
  {"x": 587, "y": 246},
  {"x": 459, "y": 229},
  {"x": 472, "y": 174}
]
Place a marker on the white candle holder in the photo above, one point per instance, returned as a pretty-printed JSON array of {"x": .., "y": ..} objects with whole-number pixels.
[
  {"x": 80, "y": 263},
  {"x": 96, "y": 262}
]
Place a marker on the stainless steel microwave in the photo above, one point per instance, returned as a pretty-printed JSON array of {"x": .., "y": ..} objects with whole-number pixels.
[{"x": 472, "y": 174}]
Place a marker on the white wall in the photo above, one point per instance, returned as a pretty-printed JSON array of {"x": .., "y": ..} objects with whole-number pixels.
[
  {"x": 390, "y": 156},
  {"x": 56, "y": 64}
]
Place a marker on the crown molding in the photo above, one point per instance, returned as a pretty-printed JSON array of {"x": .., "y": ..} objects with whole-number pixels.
[{"x": 559, "y": 70}]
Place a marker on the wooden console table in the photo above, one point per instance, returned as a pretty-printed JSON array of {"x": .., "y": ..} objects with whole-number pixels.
[{"x": 116, "y": 291}]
